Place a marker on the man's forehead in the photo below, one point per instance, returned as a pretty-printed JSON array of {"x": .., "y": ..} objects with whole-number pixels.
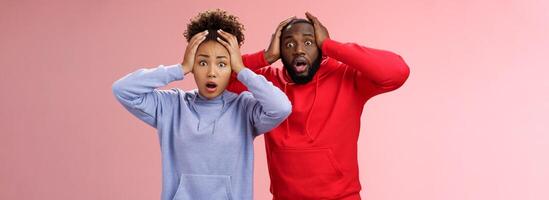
[{"x": 302, "y": 27}]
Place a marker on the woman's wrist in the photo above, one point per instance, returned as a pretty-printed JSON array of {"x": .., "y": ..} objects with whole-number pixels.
[{"x": 238, "y": 68}]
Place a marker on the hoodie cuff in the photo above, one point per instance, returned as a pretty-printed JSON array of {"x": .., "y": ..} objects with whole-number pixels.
[
  {"x": 330, "y": 47},
  {"x": 244, "y": 75},
  {"x": 175, "y": 72}
]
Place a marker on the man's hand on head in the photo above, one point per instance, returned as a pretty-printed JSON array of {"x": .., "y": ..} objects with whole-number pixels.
[
  {"x": 272, "y": 54},
  {"x": 321, "y": 33}
]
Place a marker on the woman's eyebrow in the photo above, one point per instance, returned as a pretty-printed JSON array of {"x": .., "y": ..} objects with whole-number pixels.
[
  {"x": 204, "y": 55},
  {"x": 221, "y": 57}
]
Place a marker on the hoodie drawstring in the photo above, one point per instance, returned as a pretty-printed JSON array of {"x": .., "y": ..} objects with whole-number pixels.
[
  {"x": 311, "y": 139},
  {"x": 309, "y": 114}
]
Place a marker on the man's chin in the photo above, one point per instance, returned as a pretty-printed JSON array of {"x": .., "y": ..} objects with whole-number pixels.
[
  {"x": 303, "y": 77},
  {"x": 303, "y": 74}
]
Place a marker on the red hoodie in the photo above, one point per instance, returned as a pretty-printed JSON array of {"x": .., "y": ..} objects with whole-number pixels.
[{"x": 313, "y": 154}]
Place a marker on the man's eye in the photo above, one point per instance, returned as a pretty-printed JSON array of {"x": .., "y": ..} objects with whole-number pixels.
[
  {"x": 222, "y": 65},
  {"x": 202, "y": 63},
  {"x": 290, "y": 45},
  {"x": 308, "y": 42}
]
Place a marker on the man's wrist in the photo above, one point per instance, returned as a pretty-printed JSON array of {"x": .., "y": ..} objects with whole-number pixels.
[{"x": 269, "y": 58}]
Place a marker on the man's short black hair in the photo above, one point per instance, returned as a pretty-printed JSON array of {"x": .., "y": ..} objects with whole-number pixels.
[{"x": 296, "y": 21}]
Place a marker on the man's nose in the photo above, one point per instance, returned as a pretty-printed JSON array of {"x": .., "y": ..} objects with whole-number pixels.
[{"x": 299, "y": 49}]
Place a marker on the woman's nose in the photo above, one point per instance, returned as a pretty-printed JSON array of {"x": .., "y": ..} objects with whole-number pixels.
[{"x": 212, "y": 73}]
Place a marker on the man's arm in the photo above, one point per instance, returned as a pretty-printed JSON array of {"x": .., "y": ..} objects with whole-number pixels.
[{"x": 378, "y": 69}]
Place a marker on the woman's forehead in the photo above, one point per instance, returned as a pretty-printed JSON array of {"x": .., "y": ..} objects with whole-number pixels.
[{"x": 212, "y": 49}]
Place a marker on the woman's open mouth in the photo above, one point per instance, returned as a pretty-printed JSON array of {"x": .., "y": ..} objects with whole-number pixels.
[
  {"x": 300, "y": 64},
  {"x": 211, "y": 87}
]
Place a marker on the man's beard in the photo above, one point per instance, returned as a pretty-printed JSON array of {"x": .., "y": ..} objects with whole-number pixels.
[{"x": 302, "y": 79}]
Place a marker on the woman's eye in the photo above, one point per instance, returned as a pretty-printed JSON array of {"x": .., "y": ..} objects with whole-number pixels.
[
  {"x": 308, "y": 43},
  {"x": 202, "y": 63},
  {"x": 222, "y": 65},
  {"x": 290, "y": 45}
]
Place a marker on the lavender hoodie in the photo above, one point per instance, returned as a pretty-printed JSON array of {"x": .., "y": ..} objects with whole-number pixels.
[{"x": 206, "y": 145}]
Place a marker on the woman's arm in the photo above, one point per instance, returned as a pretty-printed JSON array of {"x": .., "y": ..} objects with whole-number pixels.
[
  {"x": 269, "y": 107},
  {"x": 138, "y": 92}
]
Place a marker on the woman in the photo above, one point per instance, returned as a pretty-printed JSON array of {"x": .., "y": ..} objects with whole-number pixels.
[{"x": 206, "y": 135}]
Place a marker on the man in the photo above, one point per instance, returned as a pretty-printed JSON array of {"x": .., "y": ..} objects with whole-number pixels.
[{"x": 313, "y": 154}]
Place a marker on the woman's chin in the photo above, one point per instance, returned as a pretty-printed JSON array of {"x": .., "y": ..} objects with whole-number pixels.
[{"x": 209, "y": 93}]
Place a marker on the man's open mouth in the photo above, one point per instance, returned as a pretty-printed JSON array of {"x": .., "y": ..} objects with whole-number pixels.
[
  {"x": 300, "y": 64},
  {"x": 211, "y": 86}
]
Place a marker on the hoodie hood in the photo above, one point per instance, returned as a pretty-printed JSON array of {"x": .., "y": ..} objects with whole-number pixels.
[
  {"x": 195, "y": 99},
  {"x": 325, "y": 68}
]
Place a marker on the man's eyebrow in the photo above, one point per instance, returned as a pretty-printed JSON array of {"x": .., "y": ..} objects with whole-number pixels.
[
  {"x": 286, "y": 37},
  {"x": 221, "y": 57},
  {"x": 304, "y": 34}
]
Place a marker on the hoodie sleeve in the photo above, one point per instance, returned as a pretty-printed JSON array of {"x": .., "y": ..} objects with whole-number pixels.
[
  {"x": 138, "y": 92},
  {"x": 377, "y": 71},
  {"x": 269, "y": 107}
]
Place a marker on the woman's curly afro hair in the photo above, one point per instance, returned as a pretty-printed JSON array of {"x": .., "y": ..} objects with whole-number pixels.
[{"x": 212, "y": 20}]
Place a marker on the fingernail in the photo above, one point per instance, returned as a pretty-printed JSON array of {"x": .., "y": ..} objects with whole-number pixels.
[{"x": 219, "y": 30}]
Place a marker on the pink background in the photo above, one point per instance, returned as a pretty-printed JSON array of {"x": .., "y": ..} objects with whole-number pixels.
[{"x": 470, "y": 123}]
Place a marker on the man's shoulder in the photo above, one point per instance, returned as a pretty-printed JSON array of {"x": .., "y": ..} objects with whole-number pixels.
[{"x": 271, "y": 72}]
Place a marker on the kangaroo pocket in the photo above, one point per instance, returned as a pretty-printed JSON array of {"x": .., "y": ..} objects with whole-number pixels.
[
  {"x": 305, "y": 174},
  {"x": 197, "y": 187}
]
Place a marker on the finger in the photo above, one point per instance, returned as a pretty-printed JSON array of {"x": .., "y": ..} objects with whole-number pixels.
[
  {"x": 197, "y": 39},
  {"x": 312, "y": 18},
  {"x": 229, "y": 37},
  {"x": 284, "y": 23},
  {"x": 198, "y": 35},
  {"x": 225, "y": 44},
  {"x": 225, "y": 35},
  {"x": 193, "y": 47},
  {"x": 198, "y": 42}
]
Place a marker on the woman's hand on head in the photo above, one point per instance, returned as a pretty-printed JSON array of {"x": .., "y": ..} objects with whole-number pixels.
[
  {"x": 190, "y": 51},
  {"x": 231, "y": 44}
]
